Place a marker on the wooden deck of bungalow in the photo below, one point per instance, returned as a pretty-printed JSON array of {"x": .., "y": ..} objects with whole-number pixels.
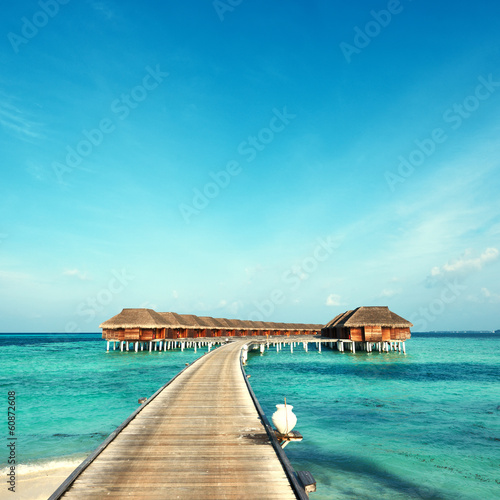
[{"x": 201, "y": 436}]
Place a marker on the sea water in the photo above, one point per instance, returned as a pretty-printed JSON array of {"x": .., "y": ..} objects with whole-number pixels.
[
  {"x": 392, "y": 426},
  {"x": 375, "y": 425}
]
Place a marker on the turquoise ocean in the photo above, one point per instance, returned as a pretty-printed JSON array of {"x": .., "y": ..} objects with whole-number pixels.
[{"x": 425, "y": 425}]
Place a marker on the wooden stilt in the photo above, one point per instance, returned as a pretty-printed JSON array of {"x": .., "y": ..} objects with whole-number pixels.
[
  {"x": 107, "y": 346},
  {"x": 404, "y": 348},
  {"x": 319, "y": 346}
]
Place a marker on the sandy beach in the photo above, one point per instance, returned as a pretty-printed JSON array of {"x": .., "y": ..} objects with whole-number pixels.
[{"x": 37, "y": 483}]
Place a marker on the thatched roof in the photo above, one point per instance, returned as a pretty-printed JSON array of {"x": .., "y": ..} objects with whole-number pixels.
[
  {"x": 173, "y": 320},
  {"x": 190, "y": 320},
  {"x": 369, "y": 316},
  {"x": 135, "y": 318},
  {"x": 211, "y": 322},
  {"x": 225, "y": 323},
  {"x": 239, "y": 324},
  {"x": 259, "y": 325},
  {"x": 147, "y": 318},
  {"x": 206, "y": 322}
]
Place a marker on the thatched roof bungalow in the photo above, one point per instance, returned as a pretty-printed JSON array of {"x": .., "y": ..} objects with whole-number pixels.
[
  {"x": 368, "y": 324},
  {"x": 146, "y": 324}
]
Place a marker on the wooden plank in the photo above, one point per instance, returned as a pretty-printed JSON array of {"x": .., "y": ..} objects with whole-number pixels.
[
  {"x": 199, "y": 437},
  {"x": 308, "y": 481}
]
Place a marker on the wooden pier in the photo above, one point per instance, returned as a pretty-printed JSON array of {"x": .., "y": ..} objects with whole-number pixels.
[
  {"x": 202, "y": 436},
  {"x": 278, "y": 341}
]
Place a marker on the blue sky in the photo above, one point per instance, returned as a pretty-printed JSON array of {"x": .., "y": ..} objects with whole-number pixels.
[{"x": 284, "y": 162}]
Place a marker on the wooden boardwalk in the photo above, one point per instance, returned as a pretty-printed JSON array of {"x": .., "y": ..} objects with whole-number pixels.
[{"x": 200, "y": 437}]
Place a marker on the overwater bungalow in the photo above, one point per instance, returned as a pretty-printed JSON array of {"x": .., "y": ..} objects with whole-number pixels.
[
  {"x": 368, "y": 324},
  {"x": 137, "y": 325}
]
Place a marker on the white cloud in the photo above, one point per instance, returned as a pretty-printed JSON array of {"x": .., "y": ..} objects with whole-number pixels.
[
  {"x": 493, "y": 298},
  {"x": 465, "y": 264},
  {"x": 333, "y": 300},
  {"x": 388, "y": 293},
  {"x": 103, "y": 8},
  {"x": 77, "y": 273},
  {"x": 489, "y": 255},
  {"x": 235, "y": 307},
  {"x": 148, "y": 305}
]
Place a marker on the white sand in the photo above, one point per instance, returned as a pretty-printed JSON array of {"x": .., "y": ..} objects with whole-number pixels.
[
  {"x": 39, "y": 485},
  {"x": 38, "y": 482}
]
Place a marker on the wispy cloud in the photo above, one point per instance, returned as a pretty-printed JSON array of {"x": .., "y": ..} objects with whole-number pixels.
[
  {"x": 149, "y": 305},
  {"x": 103, "y": 8},
  {"x": 17, "y": 121},
  {"x": 388, "y": 293},
  {"x": 333, "y": 300},
  {"x": 493, "y": 298},
  {"x": 37, "y": 171},
  {"x": 77, "y": 274},
  {"x": 11, "y": 277},
  {"x": 465, "y": 264}
]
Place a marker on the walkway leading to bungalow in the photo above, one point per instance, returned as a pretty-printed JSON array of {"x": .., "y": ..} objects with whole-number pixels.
[{"x": 199, "y": 437}]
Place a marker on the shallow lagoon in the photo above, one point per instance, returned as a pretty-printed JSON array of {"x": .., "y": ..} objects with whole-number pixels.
[{"x": 375, "y": 425}]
